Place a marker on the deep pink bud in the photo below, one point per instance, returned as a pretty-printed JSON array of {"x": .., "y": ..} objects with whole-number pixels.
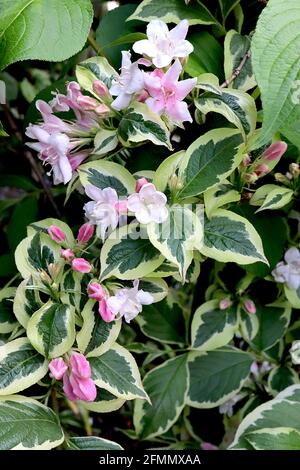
[
  {"x": 85, "y": 233},
  {"x": 121, "y": 206},
  {"x": 105, "y": 312},
  {"x": 80, "y": 366},
  {"x": 262, "y": 170},
  {"x": 68, "y": 254},
  {"x": 100, "y": 89},
  {"x": 224, "y": 304},
  {"x": 140, "y": 183},
  {"x": 56, "y": 234},
  {"x": 81, "y": 265},
  {"x": 87, "y": 103},
  {"x": 96, "y": 291},
  {"x": 58, "y": 367},
  {"x": 249, "y": 306},
  {"x": 275, "y": 151}
]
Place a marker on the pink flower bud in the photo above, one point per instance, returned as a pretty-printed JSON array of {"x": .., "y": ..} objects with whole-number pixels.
[
  {"x": 87, "y": 103},
  {"x": 249, "y": 306},
  {"x": 68, "y": 254},
  {"x": 82, "y": 389},
  {"x": 246, "y": 161},
  {"x": 80, "y": 366},
  {"x": 102, "y": 109},
  {"x": 105, "y": 312},
  {"x": 121, "y": 207},
  {"x": 208, "y": 446},
  {"x": 100, "y": 88},
  {"x": 56, "y": 234},
  {"x": 224, "y": 304},
  {"x": 57, "y": 368},
  {"x": 275, "y": 151},
  {"x": 251, "y": 177},
  {"x": 262, "y": 170},
  {"x": 143, "y": 96},
  {"x": 140, "y": 183},
  {"x": 96, "y": 291},
  {"x": 85, "y": 233},
  {"x": 81, "y": 265}
]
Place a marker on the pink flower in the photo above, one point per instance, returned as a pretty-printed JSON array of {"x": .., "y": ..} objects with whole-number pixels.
[
  {"x": 58, "y": 367},
  {"x": 68, "y": 254},
  {"x": 128, "y": 303},
  {"x": 140, "y": 183},
  {"x": 81, "y": 265},
  {"x": 249, "y": 306},
  {"x": 121, "y": 207},
  {"x": 96, "y": 291},
  {"x": 80, "y": 366},
  {"x": 224, "y": 304},
  {"x": 56, "y": 234},
  {"x": 166, "y": 93},
  {"x": 275, "y": 151},
  {"x": 148, "y": 205},
  {"x": 100, "y": 89},
  {"x": 105, "y": 312},
  {"x": 78, "y": 384},
  {"x": 85, "y": 233}
]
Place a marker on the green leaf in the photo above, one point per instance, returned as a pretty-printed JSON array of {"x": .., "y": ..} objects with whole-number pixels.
[
  {"x": 175, "y": 238},
  {"x": 219, "y": 196},
  {"x": 249, "y": 325},
  {"x": 23, "y": 214},
  {"x": 104, "y": 174},
  {"x": 51, "y": 330},
  {"x": 28, "y": 425},
  {"x": 96, "y": 336},
  {"x": 166, "y": 170},
  {"x": 127, "y": 254},
  {"x": 20, "y": 366},
  {"x": 229, "y": 237},
  {"x": 216, "y": 376},
  {"x": 209, "y": 160},
  {"x": 3, "y": 133},
  {"x": 8, "y": 321},
  {"x": 105, "y": 402},
  {"x": 280, "y": 378},
  {"x": 117, "y": 372},
  {"x": 282, "y": 411},
  {"x": 104, "y": 142},
  {"x": 24, "y": 34},
  {"x": 280, "y": 97},
  {"x": 95, "y": 68},
  {"x": 274, "y": 439},
  {"x": 235, "y": 105},
  {"x": 35, "y": 253},
  {"x": 227, "y": 6},
  {"x": 212, "y": 327},
  {"x": 27, "y": 301},
  {"x": 91, "y": 443},
  {"x": 293, "y": 296},
  {"x": 206, "y": 57},
  {"x": 43, "y": 226},
  {"x": 273, "y": 322},
  {"x": 271, "y": 196},
  {"x": 166, "y": 386},
  {"x": 172, "y": 11},
  {"x": 163, "y": 322},
  {"x": 140, "y": 124},
  {"x": 235, "y": 48}
]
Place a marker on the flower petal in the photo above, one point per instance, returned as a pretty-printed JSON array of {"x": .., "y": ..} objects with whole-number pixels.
[
  {"x": 180, "y": 31},
  {"x": 145, "y": 47}
]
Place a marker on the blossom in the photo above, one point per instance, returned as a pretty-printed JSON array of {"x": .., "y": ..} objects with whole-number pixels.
[
  {"x": 288, "y": 272},
  {"x": 68, "y": 254},
  {"x": 81, "y": 265},
  {"x": 166, "y": 93},
  {"x": 78, "y": 384},
  {"x": 58, "y": 367},
  {"x": 105, "y": 312},
  {"x": 103, "y": 209},
  {"x": 96, "y": 291},
  {"x": 128, "y": 302},
  {"x": 162, "y": 45},
  {"x": 140, "y": 183},
  {"x": 56, "y": 234},
  {"x": 295, "y": 352},
  {"x": 85, "y": 233},
  {"x": 130, "y": 81},
  {"x": 148, "y": 205}
]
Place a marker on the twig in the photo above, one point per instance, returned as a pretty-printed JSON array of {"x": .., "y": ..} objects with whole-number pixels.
[
  {"x": 94, "y": 44},
  {"x": 32, "y": 161},
  {"x": 237, "y": 71}
]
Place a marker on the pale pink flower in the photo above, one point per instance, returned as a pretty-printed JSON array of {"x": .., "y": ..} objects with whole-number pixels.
[
  {"x": 288, "y": 272},
  {"x": 56, "y": 234},
  {"x": 162, "y": 45},
  {"x": 85, "y": 233},
  {"x": 166, "y": 93},
  {"x": 81, "y": 265},
  {"x": 130, "y": 82},
  {"x": 58, "y": 367},
  {"x": 68, "y": 254},
  {"x": 78, "y": 384},
  {"x": 140, "y": 183},
  {"x": 128, "y": 302},
  {"x": 96, "y": 291},
  {"x": 148, "y": 205}
]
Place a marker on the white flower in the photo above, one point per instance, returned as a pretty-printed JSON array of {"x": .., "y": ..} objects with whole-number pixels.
[
  {"x": 130, "y": 81},
  {"x": 295, "y": 352},
  {"x": 162, "y": 45},
  {"x": 102, "y": 210},
  {"x": 289, "y": 272},
  {"x": 128, "y": 303},
  {"x": 148, "y": 205}
]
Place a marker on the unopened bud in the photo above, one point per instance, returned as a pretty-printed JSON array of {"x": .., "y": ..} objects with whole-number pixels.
[
  {"x": 250, "y": 178},
  {"x": 102, "y": 109},
  {"x": 81, "y": 265},
  {"x": 281, "y": 178},
  {"x": 45, "y": 278},
  {"x": 275, "y": 151},
  {"x": 100, "y": 89},
  {"x": 68, "y": 254},
  {"x": 56, "y": 234},
  {"x": 85, "y": 233},
  {"x": 224, "y": 304},
  {"x": 140, "y": 183},
  {"x": 87, "y": 103},
  {"x": 143, "y": 96},
  {"x": 295, "y": 352},
  {"x": 262, "y": 170},
  {"x": 246, "y": 161},
  {"x": 96, "y": 291},
  {"x": 249, "y": 306},
  {"x": 54, "y": 270},
  {"x": 294, "y": 169}
]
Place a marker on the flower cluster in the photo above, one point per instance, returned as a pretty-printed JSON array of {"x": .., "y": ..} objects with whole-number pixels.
[
  {"x": 288, "y": 271},
  {"x": 264, "y": 164},
  {"x": 76, "y": 376}
]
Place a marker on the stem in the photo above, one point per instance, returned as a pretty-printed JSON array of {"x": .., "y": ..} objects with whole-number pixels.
[
  {"x": 237, "y": 71},
  {"x": 54, "y": 401},
  {"x": 11, "y": 281},
  {"x": 92, "y": 42}
]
